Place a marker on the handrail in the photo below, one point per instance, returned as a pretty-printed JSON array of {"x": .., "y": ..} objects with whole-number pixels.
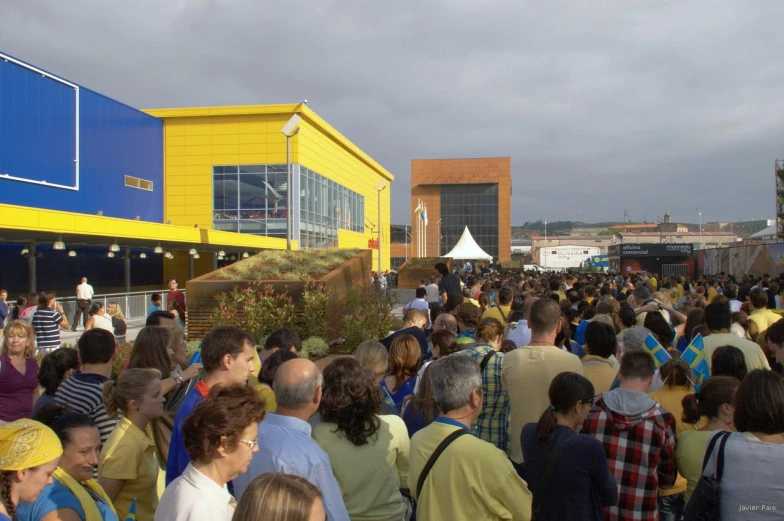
[{"x": 133, "y": 305}]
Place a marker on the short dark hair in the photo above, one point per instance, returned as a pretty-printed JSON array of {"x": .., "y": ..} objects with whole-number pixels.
[
  {"x": 627, "y": 316},
  {"x": 731, "y": 291},
  {"x": 156, "y": 297},
  {"x": 154, "y": 318},
  {"x": 718, "y": 316},
  {"x": 775, "y": 332},
  {"x": 54, "y": 366},
  {"x": 729, "y": 361},
  {"x": 554, "y": 285},
  {"x": 271, "y": 364},
  {"x": 545, "y": 315},
  {"x": 421, "y": 292},
  {"x": 505, "y": 295},
  {"x": 220, "y": 420},
  {"x": 222, "y": 341},
  {"x": 96, "y": 346},
  {"x": 171, "y": 279},
  {"x": 445, "y": 340},
  {"x": 442, "y": 268},
  {"x": 283, "y": 339},
  {"x": 759, "y": 402},
  {"x": 600, "y": 339},
  {"x": 659, "y": 327},
  {"x": 637, "y": 364},
  {"x": 758, "y": 297}
]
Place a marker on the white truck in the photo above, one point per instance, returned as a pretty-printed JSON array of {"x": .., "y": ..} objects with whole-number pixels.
[{"x": 562, "y": 258}]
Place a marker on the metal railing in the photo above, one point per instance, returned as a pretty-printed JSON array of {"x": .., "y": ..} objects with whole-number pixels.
[{"x": 133, "y": 305}]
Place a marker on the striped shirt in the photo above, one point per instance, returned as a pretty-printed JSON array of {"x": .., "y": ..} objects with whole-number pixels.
[
  {"x": 46, "y": 323},
  {"x": 83, "y": 393}
]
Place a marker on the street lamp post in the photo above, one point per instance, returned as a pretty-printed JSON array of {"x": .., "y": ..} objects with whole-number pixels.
[
  {"x": 380, "y": 188},
  {"x": 438, "y": 223},
  {"x": 700, "y": 214},
  {"x": 289, "y": 130}
]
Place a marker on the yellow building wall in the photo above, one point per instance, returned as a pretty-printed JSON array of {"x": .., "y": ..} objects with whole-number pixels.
[
  {"x": 195, "y": 140},
  {"x": 324, "y": 155}
]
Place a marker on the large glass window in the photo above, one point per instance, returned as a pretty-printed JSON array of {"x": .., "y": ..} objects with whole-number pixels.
[
  {"x": 472, "y": 205},
  {"x": 326, "y": 207},
  {"x": 250, "y": 199}
]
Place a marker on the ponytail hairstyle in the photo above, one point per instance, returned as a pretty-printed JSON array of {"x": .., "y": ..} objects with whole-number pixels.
[
  {"x": 489, "y": 330},
  {"x": 6, "y": 478},
  {"x": 54, "y": 366},
  {"x": 566, "y": 390},
  {"x": 484, "y": 302},
  {"x": 130, "y": 385},
  {"x": 715, "y": 392},
  {"x": 676, "y": 372}
]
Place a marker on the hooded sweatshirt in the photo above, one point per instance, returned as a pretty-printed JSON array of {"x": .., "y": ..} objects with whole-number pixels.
[{"x": 638, "y": 436}]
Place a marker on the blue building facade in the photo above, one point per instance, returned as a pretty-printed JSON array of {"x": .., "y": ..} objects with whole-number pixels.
[{"x": 65, "y": 147}]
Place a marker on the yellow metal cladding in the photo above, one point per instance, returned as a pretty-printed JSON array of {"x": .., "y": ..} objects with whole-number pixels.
[{"x": 196, "y": 139}]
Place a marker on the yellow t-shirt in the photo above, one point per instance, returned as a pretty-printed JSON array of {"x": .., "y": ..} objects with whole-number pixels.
[
  {"x": 267, "y": 395},
  {"x": 755, "y": 358},
  {"x": 689, "y": 453},
  {"x": 371, "y": 475},
  {"x": 672, "y": 400},
  {"x": 499, "y": 313},
  {"x": 471, "y": 481},
  {"x": 129, "y": 455},
  {"x": 600, "y": 371},
  {"x": 764, "y": 318}
]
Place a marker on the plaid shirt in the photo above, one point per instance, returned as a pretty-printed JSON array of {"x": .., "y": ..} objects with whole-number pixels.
[
  {"x": 641, "y": 454},
  {"x": 493, "y": 423}
]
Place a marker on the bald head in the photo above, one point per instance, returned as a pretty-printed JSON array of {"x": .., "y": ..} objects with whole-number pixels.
[
  {"x": 297, "y": 385},
  {"x": 529, "y": 302},
  {"x": 445, "y": 321}
]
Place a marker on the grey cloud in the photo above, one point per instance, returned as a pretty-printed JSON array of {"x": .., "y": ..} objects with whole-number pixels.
[{"x": 601, "y": 105}]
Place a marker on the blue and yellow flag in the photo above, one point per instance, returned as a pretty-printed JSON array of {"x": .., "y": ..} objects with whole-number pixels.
[
  {"x": 656, "y": 350},
  {"x": 132, "y": 511},
  {"x": 694, "y": 355}
]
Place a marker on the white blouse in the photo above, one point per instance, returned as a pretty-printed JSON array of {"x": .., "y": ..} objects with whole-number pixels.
[{"x": 195, "y": 497}]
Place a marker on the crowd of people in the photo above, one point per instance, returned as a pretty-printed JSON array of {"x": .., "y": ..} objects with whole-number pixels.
[{"x": 503, "y": 396}]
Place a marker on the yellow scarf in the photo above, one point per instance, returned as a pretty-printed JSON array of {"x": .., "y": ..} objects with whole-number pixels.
[
  {"x": 25, "y": 444},
  {"x": 79, "y": 490}
]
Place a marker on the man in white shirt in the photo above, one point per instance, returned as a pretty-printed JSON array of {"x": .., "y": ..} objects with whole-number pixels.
[
  {"x": 432, "y": 291},
  {"x": 731, "y": 292},
  {"x": 419, "y": 302},
  {"x": 84, "y": 297},
  {"x": 718, "y": 318}
]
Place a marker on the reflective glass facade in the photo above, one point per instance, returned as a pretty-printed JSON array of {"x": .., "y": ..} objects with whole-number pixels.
[
  {"x": 250, "y": 199},
  {"x": 326, "y": 207},
  {"x": 472, "y": 205}
]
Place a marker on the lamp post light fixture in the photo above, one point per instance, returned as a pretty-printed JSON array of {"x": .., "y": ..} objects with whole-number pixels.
[
  {"x": 380, "y": 188},
  {"x": 142, "y": 255},
  {"x": 72, "y": 253},
  {"x": 59, "y": 244},
  {"x": 289, "y": 130},
  {"x": 110, "y": 254},
  {"x": 114, "y": 247},
  {"x": 158, "y": 249},
  {"x": 245, "y": 255},
  {"x": 196, "y": 255},
  {"x": 192, "y": 251}
]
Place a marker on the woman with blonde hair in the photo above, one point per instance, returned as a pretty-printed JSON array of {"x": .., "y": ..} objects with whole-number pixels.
[
  {"x": 118, "y": 320},
  {"x": 29, "y": 454},
  {"x": 280, "y": 497},
  {"x": 128, "y": 468},
  {"x": 404, "y": 356},
  {"x": 18, "y": 372},
  {"x": 374, "y": 359}
]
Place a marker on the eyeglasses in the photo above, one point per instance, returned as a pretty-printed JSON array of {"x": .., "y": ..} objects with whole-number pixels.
[{"x": 251, "y": 444}]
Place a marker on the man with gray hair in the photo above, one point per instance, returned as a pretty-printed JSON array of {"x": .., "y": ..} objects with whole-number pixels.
[
  {"x": 284, "y": 440},
  {"x": 449, "y": 468}
]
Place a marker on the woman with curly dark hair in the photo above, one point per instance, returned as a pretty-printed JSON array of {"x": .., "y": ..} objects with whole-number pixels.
[{"x": 368, "y": 451}]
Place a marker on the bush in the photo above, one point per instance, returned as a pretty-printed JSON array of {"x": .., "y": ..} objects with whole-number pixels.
[
  {"x": 315, "y": 321},
  {"x": 257, "y": 309},
  {"x": 368, "y": 316},
  {"x": 314, "y": 347}
]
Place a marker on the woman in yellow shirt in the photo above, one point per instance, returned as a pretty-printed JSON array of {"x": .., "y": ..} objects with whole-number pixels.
[
  {"x": 128, "y": 468},
  {"x": 714, "y": 402}
]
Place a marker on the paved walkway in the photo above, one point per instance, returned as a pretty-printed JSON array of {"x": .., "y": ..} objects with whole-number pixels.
[{"x": 134, "y": 326}]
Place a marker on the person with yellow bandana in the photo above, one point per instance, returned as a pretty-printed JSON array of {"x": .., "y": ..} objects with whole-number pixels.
[
  {"x": 29, "y": 454},
  {"x": 73, "y": 495}
]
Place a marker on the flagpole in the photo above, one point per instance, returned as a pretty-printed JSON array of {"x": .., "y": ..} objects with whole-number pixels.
[{"x": 424, "y": 224}]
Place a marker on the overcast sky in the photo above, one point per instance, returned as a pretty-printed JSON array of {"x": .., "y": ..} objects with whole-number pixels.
[{"x": 650, "y": 106}]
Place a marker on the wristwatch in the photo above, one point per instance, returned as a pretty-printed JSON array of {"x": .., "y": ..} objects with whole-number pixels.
[{"x": 178, "y": 381}]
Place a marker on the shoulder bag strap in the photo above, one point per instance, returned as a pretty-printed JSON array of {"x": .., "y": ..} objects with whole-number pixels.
[
  {"x": 432, "y": 461},
  {"x": 709, "y": 451},
  {"x": 486, "y": 360},
  {"x": 720, "y": 457},
  {"x": 541, "y": 490}
]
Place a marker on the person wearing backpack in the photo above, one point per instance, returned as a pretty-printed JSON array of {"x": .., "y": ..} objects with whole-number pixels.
[
  {"x": 567, "y": 472},
  {"x": 453, "y": 475}
]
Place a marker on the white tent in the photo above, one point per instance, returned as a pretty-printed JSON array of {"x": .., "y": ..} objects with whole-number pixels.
[{"x": 467, "y": 248}]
